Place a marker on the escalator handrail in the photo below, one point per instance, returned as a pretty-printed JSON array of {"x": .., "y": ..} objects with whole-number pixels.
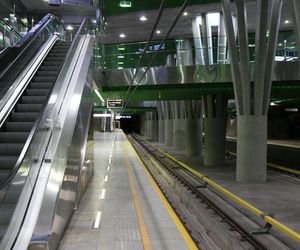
[
  {"x": 38, "y": 120},
  {"x": 28, "y": 39},
  {"x": 11, "y": 27},
  {"x": 17, "y": 165}
]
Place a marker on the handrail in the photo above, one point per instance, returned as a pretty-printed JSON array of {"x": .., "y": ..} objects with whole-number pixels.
[
  {"x": 267, "y": 218},
  {"x": 37, "y": 122},
  {"x": 25, "y": 148},
  {"x": 28, "y": 39},
  {"x": 11, "y": 27}
]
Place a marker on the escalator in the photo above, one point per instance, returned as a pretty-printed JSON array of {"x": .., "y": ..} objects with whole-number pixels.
[
  {"x": 45, "y": 109},
  {"x": 17, "y": 127}
]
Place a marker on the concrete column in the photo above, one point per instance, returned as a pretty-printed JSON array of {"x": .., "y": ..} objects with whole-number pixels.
[
  {"x": 194, "y": 137},
  {"x": 149, "y": 129},
  {"x": 214, "y": 140},
  {"x": 154, "y": 129},
  {"x": 252, "y": 97},
  {"x": 169, "y": 132},
  {"x": 252, "y": 149},
  {"x": 161, "y": 130},
  {"x": 179, "y": 134}
]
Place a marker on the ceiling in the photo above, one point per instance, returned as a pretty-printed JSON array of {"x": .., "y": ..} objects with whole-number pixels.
[
  {"x": 126, "y": 20},
  {"x": 136, "y": 30}
]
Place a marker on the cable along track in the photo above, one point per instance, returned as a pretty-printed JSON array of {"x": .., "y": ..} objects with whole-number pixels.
[{"x": 212, "y": 222}]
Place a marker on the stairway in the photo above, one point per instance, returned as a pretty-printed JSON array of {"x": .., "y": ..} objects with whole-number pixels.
[{"x": 17, "y": 127}]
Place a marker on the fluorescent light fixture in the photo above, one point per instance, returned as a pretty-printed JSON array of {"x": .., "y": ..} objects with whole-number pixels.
[
  {"x": 185, "y": 13},
  {"x": 120, "y": 57},
  {"x": 120, "y": 68},
  {"x": 69, "y": 27},
  {"x": 97, "y": 220},
  {"x": 6, "y": 19},
  {"x": 94, "y": 21},
  {"x": 121, "y": 63},
  {"x": 101, "y": 115},
  {"x": 291, "y": 110},
  {"x": 158, "y": 32},
  {"x": 287, "y": 21},
  {"x": 108, "y": 168},
  {"x": 143, "y": 19},
  {"x": 121, "y": 48},
  {"x": 125, "y": 4},
  {"x": 99, "y": 95},
  {"x": 122, "y": 35},
  {"x": 102, "y": 194}
]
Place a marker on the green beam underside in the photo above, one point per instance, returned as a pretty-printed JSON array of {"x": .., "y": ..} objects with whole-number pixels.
[
  {"x": 127, "y": 110},
  {"x": 168, "y": 91},
  {"x": 280, "y": 89}
]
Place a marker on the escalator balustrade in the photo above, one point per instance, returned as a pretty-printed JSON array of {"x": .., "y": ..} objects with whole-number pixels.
[{"x": 17, "y": 127}]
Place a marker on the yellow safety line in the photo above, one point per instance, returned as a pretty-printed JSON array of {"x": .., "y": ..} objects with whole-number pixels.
[
  {"x": 140, "y": 217},
  {"x": 189, "y": 241},
  {"x": 284, "y": 229}
]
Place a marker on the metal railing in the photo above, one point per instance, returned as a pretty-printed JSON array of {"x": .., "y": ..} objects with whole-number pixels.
[{"x": 209, "y": 50}]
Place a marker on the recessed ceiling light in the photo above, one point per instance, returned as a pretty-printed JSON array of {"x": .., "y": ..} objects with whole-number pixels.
[
  {"x": 158, "y": 32},
  {"x": 185, "y": 13},
  {"x": 287, "y": 21},
  {"x": 122, "y": 35},
  {"x": 69, "y": 27},
  {"x": 143, "y": 18}
]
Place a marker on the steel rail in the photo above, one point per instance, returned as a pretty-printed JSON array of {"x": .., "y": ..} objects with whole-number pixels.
[
  {"x": 252, "y": 209},
  {"x": 180, "y": 177}
]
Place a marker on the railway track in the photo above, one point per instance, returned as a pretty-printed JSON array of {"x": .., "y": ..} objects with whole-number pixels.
[{"x": 212, "y": 222}]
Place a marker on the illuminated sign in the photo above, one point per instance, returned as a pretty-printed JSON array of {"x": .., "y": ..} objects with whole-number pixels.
[
  {"x": 114, "y": 103},
  {"x": 54, "y": 2}
]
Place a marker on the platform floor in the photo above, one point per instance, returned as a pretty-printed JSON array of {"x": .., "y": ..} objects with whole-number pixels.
[
  {"x": 122, "y": 209},
  {"x": 280, "y": 194}
]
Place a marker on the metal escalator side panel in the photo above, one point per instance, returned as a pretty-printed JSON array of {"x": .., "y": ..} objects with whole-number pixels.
[
  {"x": 50, "y": 189},
  {"x": 30, "y": 159}
]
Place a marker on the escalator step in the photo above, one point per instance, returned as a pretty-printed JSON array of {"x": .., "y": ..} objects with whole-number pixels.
[
  {"x": 6, "y": 211},
  {"x": 40, "y": 85},
  {"x": 50, "y": 68},
  {"x": 24, "y": 117},
  {"x": 2, "y": 231},
  {"x": 4, "y": 173},
  {"x": 37, "y": 92},
  {"x": 51, "y": 63},
  {"x": 19, "y": 126},
  {"x": 15, "y": 137},
  {"x": 8, "y": 162},
  {"x": 28, "y": 107},
  {"x": 33, "y": 99},
  {"x": 46, "y": 73},
  {"x": 10, "y": 148},
  {"x": 57, "y": 54},
  {"x": 44, "y": 78}
]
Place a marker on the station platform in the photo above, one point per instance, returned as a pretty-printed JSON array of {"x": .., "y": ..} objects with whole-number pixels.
[
  {"x": 123, "y": 208},
  {"x": 279, "y": 195}
]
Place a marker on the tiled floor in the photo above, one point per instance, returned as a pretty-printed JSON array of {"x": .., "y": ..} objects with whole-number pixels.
[{"x": 109, "y": 197}]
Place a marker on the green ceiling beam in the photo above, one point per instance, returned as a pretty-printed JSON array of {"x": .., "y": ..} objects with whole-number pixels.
[
  {"x": 127, "y": 110},
  {"x": 280, "y": 89}
]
